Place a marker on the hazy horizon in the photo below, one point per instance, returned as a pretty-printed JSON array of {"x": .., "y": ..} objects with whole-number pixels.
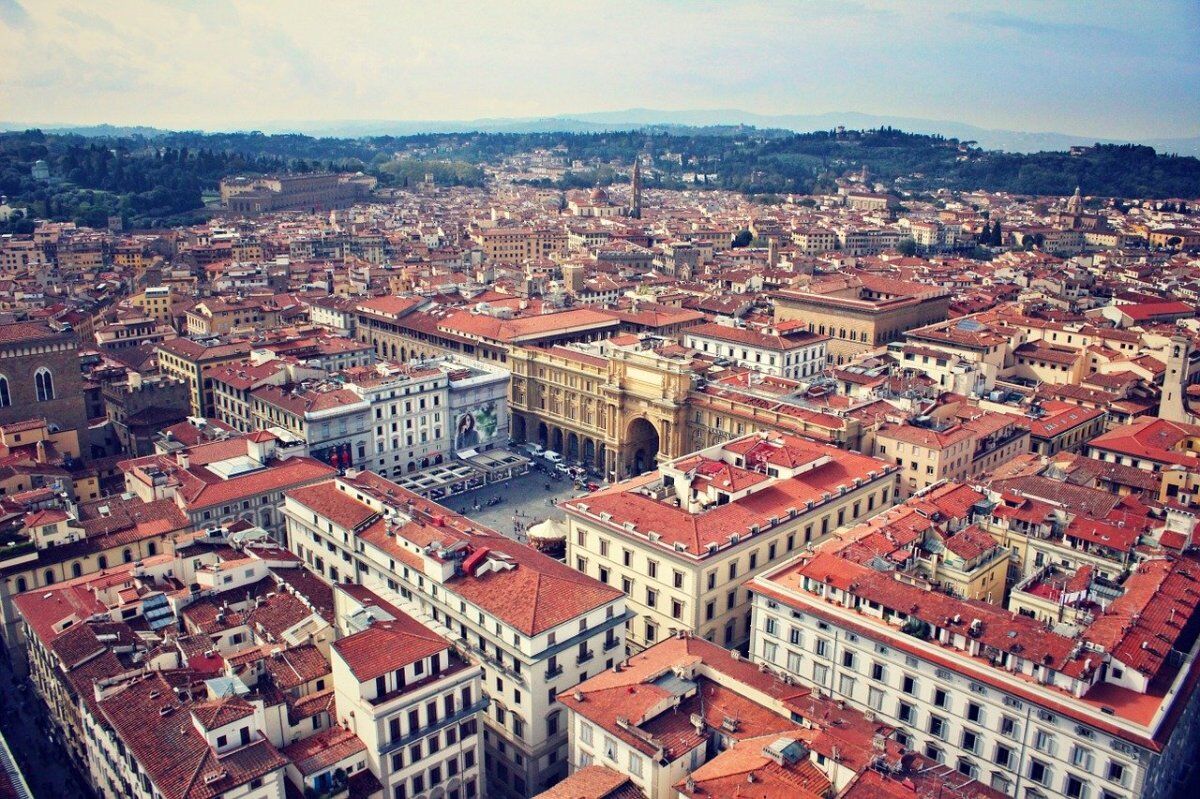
[{"x": 1125, "y": 73}]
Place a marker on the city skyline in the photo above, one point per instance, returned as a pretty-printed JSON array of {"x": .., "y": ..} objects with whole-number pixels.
[{"x": 1021, "y": 67}]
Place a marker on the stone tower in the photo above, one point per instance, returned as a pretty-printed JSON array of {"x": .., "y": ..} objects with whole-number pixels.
[
  {"x": 1173, "y": 405},
  {"x": 635, "y": 204}
]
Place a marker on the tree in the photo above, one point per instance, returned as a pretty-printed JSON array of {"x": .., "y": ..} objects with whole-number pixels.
[
  {"x": 907, "y": 247},
  {"x": 743, "y": 238}
]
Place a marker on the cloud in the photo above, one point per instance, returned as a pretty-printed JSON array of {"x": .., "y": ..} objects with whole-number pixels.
[
  {"x": 13, "y": 15},
  {"x": 226, "y": 64},
  {"x": 1034, "y": 26}
]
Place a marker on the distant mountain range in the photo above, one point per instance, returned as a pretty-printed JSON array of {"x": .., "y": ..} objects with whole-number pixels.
[{"x": 675, "y": 121}]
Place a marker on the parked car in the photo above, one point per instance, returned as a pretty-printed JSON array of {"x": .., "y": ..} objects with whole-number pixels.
[
  {"x": 563, "y": 468},
  {"x": 552, "y": 457},
  {"x": 534, "y": 449}
]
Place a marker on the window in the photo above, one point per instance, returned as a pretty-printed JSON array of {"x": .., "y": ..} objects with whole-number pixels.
[
  {"x": 820, "y": 674},
  {"x": 874, "y": 698},
  {"x": 970, "y": 741},
  {"x": 1008, "y": 726},
  {"x": 906, "y": 713},
  {"x": 908, "y": 685},
  {"x": 1082, "y": 756},
  {"x": 1039, "y": 772},
  {"x": 937, "y": 726},
  {"x": 1075, "y": 787},
  {"x": 5, "y": 397},
  {"x": 1004, "y": 756},
  {"x": 1044, "y": 742},
  {"x": 635, "y": 765},
  {"x": 1116, "y": 772},
  {"x": 974, "y": 712},
  {"x": 846, "y": 685},
  {"x": 610, "y": 749},
  {"x": 43, "y": 382},
  {"x": 585, "y": 733},
  {"x": 940, "y": 698},
  {"x": 878, "y": 672}
]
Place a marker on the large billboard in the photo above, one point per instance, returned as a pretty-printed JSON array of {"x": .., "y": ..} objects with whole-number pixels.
[{"x": 478, "y": 427}]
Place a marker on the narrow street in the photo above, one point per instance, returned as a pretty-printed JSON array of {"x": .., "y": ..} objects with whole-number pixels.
[{"x": 43, "y": 762}]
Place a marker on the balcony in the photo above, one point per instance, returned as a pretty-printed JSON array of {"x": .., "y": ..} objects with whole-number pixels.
[
  {"x": 611, "y": 644},
  {"x": 584, "y": 657},
  {"x": 554, "y": 671}
]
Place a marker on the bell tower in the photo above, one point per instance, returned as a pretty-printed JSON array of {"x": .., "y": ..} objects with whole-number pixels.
[
  {"x": 1173, "y": 405},
  {"x": 635, "y": 181}
]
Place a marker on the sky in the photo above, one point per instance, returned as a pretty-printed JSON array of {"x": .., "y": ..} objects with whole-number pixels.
[{"x": 1098, "y": 68}]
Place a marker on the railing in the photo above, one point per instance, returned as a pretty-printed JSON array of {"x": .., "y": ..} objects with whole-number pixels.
[
  {"x": 584, "y": 657},
  {"x": 552, "y": 672}
]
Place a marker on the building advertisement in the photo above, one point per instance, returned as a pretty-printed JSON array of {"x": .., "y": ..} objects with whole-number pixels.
[{"x": 478, "y": 427}]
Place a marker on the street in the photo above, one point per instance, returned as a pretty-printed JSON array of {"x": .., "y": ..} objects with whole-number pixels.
[{"x": 44, "y": 763}]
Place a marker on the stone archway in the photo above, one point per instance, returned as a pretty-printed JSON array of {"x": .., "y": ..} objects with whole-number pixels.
[
  {"x": 572, "y": 451},
  {"x": 641, "y": 446},
  {"x": 518, "y": 427},
  {"x": 543, "y": 435},
  {"x": 589, "y": 451},
  {"x": 556, "y": 440}
]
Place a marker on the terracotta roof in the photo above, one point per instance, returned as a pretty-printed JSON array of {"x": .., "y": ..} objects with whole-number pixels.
[
  {"x": 172, "y": 752},
  {"x": 593, "y": 782},
  {"x": 386, "y": 646}
]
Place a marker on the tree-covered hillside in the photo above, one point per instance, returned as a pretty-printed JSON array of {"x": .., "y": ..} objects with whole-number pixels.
[{"x": 152, "y": 179}]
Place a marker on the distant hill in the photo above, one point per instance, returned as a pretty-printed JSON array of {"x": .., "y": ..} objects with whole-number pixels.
[{"x": 698, "y": 122}]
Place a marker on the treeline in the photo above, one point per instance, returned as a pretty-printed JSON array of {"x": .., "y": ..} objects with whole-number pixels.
[
  {"x": 153, "y": 179},
  {"x": 92, "y": 180}
]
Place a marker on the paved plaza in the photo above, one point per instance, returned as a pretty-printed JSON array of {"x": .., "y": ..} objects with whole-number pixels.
[{"x": 525, "y": 497}]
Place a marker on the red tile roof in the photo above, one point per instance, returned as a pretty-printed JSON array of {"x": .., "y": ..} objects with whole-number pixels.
[{"x": 386, "y": 646}]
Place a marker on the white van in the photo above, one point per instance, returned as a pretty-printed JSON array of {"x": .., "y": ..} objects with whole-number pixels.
[
  {"x": 534, "y": 449},
  {"x": 552, "y": 457}
]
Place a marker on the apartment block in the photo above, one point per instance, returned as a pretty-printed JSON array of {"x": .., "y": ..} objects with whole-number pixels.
[
  {"x": 534, "y": 625},
  {"x": 681, "y": 541}
]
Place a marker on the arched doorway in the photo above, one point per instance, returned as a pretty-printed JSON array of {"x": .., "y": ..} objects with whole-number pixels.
[
  {"x": 543, "y": 435},
  {"x": 572, "y": 453},
  {"x": 589, "y": 451},
  {"x": 556, "y": 440},
  {"x": 641, "y": 446},
  {"x": 518, "y": 427}
]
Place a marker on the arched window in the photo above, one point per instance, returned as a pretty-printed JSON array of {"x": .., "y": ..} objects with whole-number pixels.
[
  {"x": 48, "y": 577},
  {"x": 127, "y": 556},
  {"x": 5, "y": 397},
  {"x": 152, "y": 548},
  {"x": 76, "y": 569},
  {"x": 102, "y": 562},
  {"x": 22, "y": 586},
  {"x": 43, "y": 382}
]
